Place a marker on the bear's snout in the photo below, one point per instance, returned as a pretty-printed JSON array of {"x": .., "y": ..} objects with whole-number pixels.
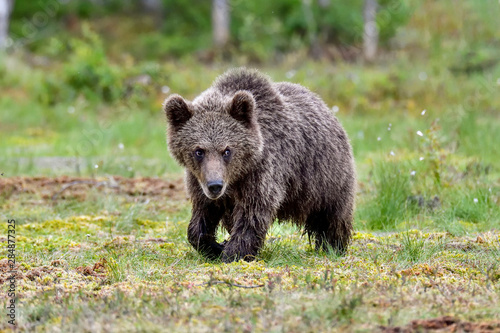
[{"x": 215, "y": 187}]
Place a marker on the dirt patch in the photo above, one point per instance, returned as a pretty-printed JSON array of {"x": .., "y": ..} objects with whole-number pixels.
[
  {"x": 6, "y": 272},
  {"x": 40, "y": 272},
  {"x": 22, "y": 273},
  {"x": 444, "y": 324},
  {"x": 98, "y": 269},
  {"x": 64, "y": 187},
  {"x": 462, "y": 246},
  {"x": 155, "y": 240}
]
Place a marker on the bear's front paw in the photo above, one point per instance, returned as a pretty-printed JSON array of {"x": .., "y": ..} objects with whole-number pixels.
[
  {"x": 230, "y": 254},
  {"x": 213, "y": 251}
]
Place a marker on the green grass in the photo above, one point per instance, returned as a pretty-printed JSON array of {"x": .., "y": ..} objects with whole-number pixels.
[
  {"x": 427, "y": 221},
  {"x": 153, "y": 280}
]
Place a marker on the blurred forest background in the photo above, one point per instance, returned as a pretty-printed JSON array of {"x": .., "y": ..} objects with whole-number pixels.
[
  {"x": 256, "y": 30},
  {"x": 104, "y": 46}
]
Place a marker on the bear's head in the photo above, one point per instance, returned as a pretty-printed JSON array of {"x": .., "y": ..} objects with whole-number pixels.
[{"x": 216, "y": 138}]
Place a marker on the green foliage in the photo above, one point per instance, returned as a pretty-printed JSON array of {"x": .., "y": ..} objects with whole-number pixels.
[
  {"x": 33, "y": 21},
  {"x": 186, "y": 27},
  {"x": 390, "y": 202},
  {"x": 85, "y": 72},
  {"x": 474, "y": 205},
  {"x": 37, "y": 10},
  {"x": 416, "y": 249},
  {"x": 435, "y": 155},
  {"x": 89, "y": 72},
  {"x": 260, "y": 26},
  {"x": 412, "y": 248},
  {"x": 392, "y": 15}
]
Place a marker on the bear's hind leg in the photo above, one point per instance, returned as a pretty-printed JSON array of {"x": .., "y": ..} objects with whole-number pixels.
[
  {"x": 316, "y": 227},
  {"x": 330, "y": 230}
]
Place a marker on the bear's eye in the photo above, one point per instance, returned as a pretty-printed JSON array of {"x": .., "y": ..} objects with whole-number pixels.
[
  {"x": 227, "y": 153},
  {"x": 199, "y": 153}
]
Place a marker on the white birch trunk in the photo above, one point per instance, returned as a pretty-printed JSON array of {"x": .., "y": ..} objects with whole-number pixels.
[
  {"x": 324, "y": 3},
  {"x": 370, "y": 33},
  {"x": 154, "y": 6},
  {"x": 220, "y": 22},
  {"x": 5, "y": 10}
]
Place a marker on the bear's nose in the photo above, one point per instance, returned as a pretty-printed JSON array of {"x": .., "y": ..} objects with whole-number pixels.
[{"x": 215, "y": 186}]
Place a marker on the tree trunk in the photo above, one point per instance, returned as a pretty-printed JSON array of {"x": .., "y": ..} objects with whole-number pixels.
[
  {"x": 153, "y": 6},
  {"x": 324, "y": 3},
  {"x": 315, "y": 47},
  {"x": 370, "y": 35},
  {"x": 5, "y": 9},
  {"x": 220, "y": 22}
]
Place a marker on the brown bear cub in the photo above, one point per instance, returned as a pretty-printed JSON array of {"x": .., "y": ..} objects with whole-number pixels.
[{"x": 256, "y": 151}]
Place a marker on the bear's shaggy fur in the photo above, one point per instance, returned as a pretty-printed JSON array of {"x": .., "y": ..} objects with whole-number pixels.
[{"x": 256, "y": 151}]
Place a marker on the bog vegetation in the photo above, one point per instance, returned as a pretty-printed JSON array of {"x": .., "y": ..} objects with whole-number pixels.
[{"x": 82, "y": 97}]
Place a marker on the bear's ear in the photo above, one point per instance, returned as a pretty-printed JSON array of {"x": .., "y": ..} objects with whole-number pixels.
[
  {"x": 177, "y": 111},
  {"x": 242, "y": 108}
]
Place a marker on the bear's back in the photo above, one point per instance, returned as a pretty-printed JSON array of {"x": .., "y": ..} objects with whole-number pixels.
[{"x": 259, "y": 85}]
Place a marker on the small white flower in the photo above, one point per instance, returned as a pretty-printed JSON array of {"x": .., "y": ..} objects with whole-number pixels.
[
  {"x": 413, "y": 173},
  {"x": 88, "y": 235},
  {"x": 96, "y": 166},
  {"x": 420, "y": 133},
  {"x": 421, "y": 158},
  {"x": 475, "y": 200},
  {"x": 165, "y": 89},
  {"x": 290, "y": 74},
  {"x": 379, "y": 138},
  {"x": 335, "y": 109},
  {"x": 129, "y": 168},
  {"x": 422, "y": 76},
  {"x": 121, "y": 146},
  {"x": 71, "y": 110},
  {"x": 392, "y": 153},
  {"x": 423, "y": 112}
]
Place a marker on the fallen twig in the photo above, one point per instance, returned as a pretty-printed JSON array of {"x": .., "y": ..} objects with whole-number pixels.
[{"x": 211, "y": 283}]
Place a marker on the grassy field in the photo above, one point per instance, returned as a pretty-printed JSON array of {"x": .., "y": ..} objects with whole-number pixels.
[
  {"x": 101, "y": 212},
  {"x": 116, "y": 259}
]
